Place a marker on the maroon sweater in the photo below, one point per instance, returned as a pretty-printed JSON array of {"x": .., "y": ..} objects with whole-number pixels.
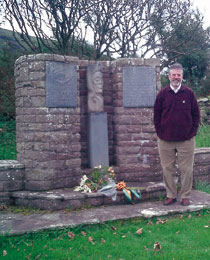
[{"x": 176, "y": 115}]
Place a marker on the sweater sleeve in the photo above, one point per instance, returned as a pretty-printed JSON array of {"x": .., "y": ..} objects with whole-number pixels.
[
  {"x": 157, "y": 114},
  {"x": 195, "y": 115}
]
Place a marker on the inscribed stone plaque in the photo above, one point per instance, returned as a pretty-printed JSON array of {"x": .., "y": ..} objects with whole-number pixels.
[
  {"x": 139, "y": 86},
  {"x": 98, "y": 139},
  {"x": 61, "y": 84}
]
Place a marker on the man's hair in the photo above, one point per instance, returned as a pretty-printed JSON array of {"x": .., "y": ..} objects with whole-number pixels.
[{"x": 175, "y": 66}]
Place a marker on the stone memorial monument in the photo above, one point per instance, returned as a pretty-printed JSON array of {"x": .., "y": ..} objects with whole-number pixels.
[
  {"x": 95, "y": 88},
  {"x": 97, "y": 118}
]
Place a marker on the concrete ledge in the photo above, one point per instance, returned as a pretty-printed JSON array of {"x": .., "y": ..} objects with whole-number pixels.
[
  {"x": 11, "y": 179},
  {"x": 11, "y": 223},
  {"x": 67, "y": 198}
]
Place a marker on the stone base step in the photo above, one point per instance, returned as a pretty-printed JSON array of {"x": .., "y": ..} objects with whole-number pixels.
[{"x": 67, "y": 198}]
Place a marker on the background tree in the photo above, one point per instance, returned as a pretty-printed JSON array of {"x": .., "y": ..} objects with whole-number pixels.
[
  {"x": 121, "y": 28},
  {"x": 167, "y": 29},
  {"x": 53, "y": 24},
  {"x": 1, "y": 12}
]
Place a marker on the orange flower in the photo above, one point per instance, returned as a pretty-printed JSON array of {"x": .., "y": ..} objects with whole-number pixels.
[{"x": 121, "y": 185}]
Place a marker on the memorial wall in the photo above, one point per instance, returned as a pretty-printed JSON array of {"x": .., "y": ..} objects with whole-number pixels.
[{"x": 64, "y": 127}]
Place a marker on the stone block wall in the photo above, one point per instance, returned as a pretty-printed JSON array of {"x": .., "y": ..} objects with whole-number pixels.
[
  {"x": 204, "y": 104},
  {"x": 131, "y": 134},
  {"x": 52, "y": 143},
  {"x": 48, "y": 139},
  {"x": 11, "y": 179},
  {"x": 135, "y": 145},
  {"x": 202, "y": 165}
]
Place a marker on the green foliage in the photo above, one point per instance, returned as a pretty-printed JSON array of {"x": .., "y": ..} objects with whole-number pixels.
[
  {"x": 203, "y": 186},
  {"x": 7, "y": 140},
  {"x": 203, "y": 136},
  {"x": 180, "y": 238},
  {"x": 7, "y": 83},
  {"x": 164, "y": 80},
  {"x": 100, "y": 177}
]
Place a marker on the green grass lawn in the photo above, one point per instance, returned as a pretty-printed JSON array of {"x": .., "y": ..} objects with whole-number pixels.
[
  {"x": 184, "y": 237},
  {"x": 7, "y": 140},
  {"x": 203, "y": 136}
]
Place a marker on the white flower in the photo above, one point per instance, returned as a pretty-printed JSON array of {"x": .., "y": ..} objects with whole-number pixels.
[
  {"x": 98, "y": 167},
  {"x": 83, "y": 180},
  {"x": 83, "y": 187}
]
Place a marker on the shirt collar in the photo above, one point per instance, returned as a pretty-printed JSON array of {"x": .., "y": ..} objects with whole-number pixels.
[{"x": 177, "y": 89}]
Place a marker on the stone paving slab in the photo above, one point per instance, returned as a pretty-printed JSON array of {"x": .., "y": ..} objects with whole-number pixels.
[{"x": 18, "y": 224}]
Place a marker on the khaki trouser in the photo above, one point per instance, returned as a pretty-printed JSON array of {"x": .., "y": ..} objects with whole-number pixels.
[{"x": 183, "y": 152}]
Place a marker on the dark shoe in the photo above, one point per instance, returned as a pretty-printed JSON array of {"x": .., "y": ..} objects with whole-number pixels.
[
  {"x": 185, "y": 202},
  {"x": 169, "y": 201}
]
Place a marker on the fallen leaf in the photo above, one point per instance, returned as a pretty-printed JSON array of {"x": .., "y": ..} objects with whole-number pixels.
[
  {"x": 157, "y": 246},
  {"x": 123, "y": 236},
  {"x": 90, "y": 239},
  {"x": 189, "y": 216},
  {"x": 109, "y": 256},
  {"x": 160, "y": 221},
  {"x": 84, "y": 233},
  {"x": 103, "y": 240},
  {"x": 146, "y": 248},
  {"x": 150, "y": 223},
  {"x": 177, "y": 232},
  {"x": 3, "y": 207},
  {"x": 71, "y": 235},
  {"x": 206, "y": 226},
  {"x": 139, "y": 231},
  {"x": 115, "y": 233},
  {"x": 4, "y": 252},
  {"x": 181, "y": 216},
  {"x": 113, "y": 228},
  {"x": 37, "y": 257}
]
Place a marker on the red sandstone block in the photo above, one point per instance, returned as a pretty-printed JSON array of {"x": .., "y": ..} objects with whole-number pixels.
[
  {"x": 203, "y": 158},
  {"x": 148, "y": 129},
  {"x": 122, "y": 119},
  {"x": 140, "y": 120},
  {"x": 122, "y": 137},
  {"x": 127, "y": 150},
  {"x": 37, "y": 66},
  {"x": 117, "y": 103},
  {"x": 141, "y": 136},
  {"x": 118, "y": 86},
  {"x": 82, "y": 74},
  {"x": 117, "y": 77},
  {"x": 201, "y": 170},
  {"x": 135, "y": 168},
  {"x": 150, "y": 150}
]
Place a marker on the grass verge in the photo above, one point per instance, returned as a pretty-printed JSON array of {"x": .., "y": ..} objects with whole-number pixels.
[
  {"x": 182, "y": 237},
  {"x": 203, "y": 137},
  {"x": 7, "y": 140}
]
